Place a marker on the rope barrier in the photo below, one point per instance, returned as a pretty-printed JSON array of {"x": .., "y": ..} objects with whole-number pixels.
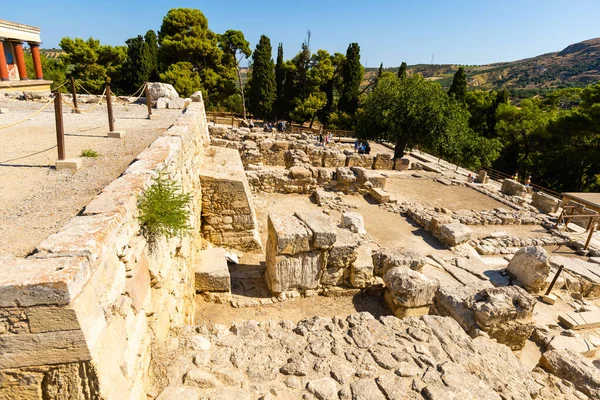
[
  {"x": 27, "y": 118},
  {"x": 87, "y": 109},
  {"x": 138, "y": 92}
]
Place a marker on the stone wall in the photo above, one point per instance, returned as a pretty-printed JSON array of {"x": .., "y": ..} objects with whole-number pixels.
[
  {"x": 228, "y": 217},
  {"x": 79, "y": 318}
]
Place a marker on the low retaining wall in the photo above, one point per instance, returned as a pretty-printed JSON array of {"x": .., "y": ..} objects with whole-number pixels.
[{"x": 78, "y": 317}]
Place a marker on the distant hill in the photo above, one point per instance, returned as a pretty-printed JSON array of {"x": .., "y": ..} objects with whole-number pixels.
[{"x": 577, "y": 65}]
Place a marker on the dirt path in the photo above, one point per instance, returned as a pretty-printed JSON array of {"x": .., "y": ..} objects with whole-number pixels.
[{"x": 35, "y": 199}]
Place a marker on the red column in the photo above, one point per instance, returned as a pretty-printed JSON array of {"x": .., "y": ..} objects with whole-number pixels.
[
  {"x": 37, "y": 62},
  {"x": 20, "y": 56},
  {"x": 3, "y": 67}
]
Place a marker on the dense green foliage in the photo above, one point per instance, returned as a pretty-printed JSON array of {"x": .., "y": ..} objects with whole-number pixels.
[
  {"x": 279, "y": 83},
  {"x": 233, "y": 43},
  {"x": 53, "y": 70},
  {"x": 142, "y": 62},
  {"x": 163, "y": 210},
  {"x": 402, "y": 70},
  {"x": 262, "y": 88},
  {"x": 93, "y": 64}
]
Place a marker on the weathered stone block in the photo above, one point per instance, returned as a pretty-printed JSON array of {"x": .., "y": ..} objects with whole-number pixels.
[
  {"x": 212, "y": 272},
  {"x": 512, "y": 188},
  {"x": 322, "y": 226},
  {"x": 354, "y": 222},
  {"x": 531, "y": 266},
  {"x": 383, "y": 161},
  {"x": 380, "y": 195},
  {"x": 545, "y": 203},
  {"x": 299, "y": 271},
  {"x": 573, "y": 367},
  {"x": 454, "y": 233},
  {"x": 387, "y": 258},
  {"x": 408, "y": 289},
  {"x": 361, "y": 270}
]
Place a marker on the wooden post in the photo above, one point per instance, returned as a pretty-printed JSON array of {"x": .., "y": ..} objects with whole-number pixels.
[
  {"x": 560, "y": 268},
  {"x": 589, "y": 239},
  {"x": 74, "y": 93},
  {"x": 111, "y": 121},
  {"x": 148, "y": 102},
  {"x": 60, "y": 130},
  {"x": 232, "y": 122}
]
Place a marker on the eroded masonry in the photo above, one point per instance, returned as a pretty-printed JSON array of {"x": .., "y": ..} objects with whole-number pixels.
[{"x": 309, "y": 272}]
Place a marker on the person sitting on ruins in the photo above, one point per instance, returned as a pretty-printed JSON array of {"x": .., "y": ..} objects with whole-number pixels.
[
  {"x": 356, "y": 143},
  {"x": 528, "y": 181},
  {"x": 516, "y": 176},
  {"x": 367, "y": 148},
  {"x": 251, "y": 124}
]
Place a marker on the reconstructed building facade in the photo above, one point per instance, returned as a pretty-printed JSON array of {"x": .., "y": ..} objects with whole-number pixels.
[{"x": 13, "y": 71}]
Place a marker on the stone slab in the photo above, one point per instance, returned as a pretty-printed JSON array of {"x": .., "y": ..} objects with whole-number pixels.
[
  {"x": 73, "y": 164},
  {"x": 577, "y": 344},
  {"x": 288, "y": 235},
  {"x": 116, "y": 134},
  {"x": 582, "y": 320},
  {"x": 588, "y": 270},
  {"x": 549, "y": 299},
  {"x": 211, "y": 271},
  {"x": 49, "y": 281},
  {"x": 322, "y": 226},
  {"x": 380, "y": 195}
]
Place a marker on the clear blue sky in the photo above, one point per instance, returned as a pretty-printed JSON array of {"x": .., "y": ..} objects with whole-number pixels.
[{"x": 458, "y": 31}]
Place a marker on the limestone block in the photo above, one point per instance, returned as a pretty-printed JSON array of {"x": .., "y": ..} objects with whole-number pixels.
[
  {"x": 211, "y": 271},
  {"x": 354, "y": 222},
  {"x": 176, "y": 103},
  {"x": 162, "y": 103},
  {"x": 343, "y": 254},
  {"x": 196, "y": 97},
  {"x": 48, "y": 281},
  {"x": 408, "y": 289},
  {"x": 482, "y": 177},
  {"x": 360, "y": 160},
  {"x": 401, "y": 164},
  {"x": 51, "y": 319},
  {"x": 505, "y": 314},
  {"x": 513, "y": 188},
  {"x": 387, "y": 258},
  {"x": 324, "y": 230},
  {"x": 545, "y": 203},
  {"x": 295, "y": 157},
  {"x": 322, "y": 197},
  {"x": 73, "y": 164},
  {"x": 364, "y": 175},
  {"x": 383, "y": 161},
  {"x": 299, "y": 271},
  {"x": 287, "y": 235},
  {"x": 333, "y": 158},
  {"x": 454, "y": 233},
  {"x": 531, "y": 266},
  {"x": 575, "y": 368},
  {"x": 299, "y": 172},
  {"x": 138, "y": 285},
  {"x": 380, "y": 195},
  {"x": 158, "y": 90},
  {"x": 361, "y": 270}
]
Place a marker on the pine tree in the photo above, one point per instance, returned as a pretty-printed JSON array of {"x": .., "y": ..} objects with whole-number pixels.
[
  {"x": 458, "y": 89},
  {"x": 137, "y": 66},
  {"x": 262, "y": 92},
  {"x": 402, "y": 70},
  {"x": 279, "y": 82},
  {"x": 352, "y": 76},
  {"x": 152, "y": 58}
]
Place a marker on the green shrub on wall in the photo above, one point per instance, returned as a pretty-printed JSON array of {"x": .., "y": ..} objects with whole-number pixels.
[{"x": 163, "y": 210}]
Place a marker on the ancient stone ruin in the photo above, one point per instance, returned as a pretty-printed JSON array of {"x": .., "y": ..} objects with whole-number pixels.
[{"x": 309, "y": 272}]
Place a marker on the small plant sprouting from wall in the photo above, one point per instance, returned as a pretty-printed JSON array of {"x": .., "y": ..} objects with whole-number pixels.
[{"x": 163, "y": 210}]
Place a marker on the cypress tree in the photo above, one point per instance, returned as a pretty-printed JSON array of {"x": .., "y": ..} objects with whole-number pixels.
[
  {"x": 352, "y": 73},
  {"x": 152, "y": 58},
  {"x": 263, "y": 89},
  {"x": 279, "y": 82},
  {"x": 458, "y": 89},
  {"x": 379, "y": 74},
  {"x": 402, "y": 70}
]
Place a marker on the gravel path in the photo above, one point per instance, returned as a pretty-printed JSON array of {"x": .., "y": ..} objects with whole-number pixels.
[{"x": 36, "y": 200}]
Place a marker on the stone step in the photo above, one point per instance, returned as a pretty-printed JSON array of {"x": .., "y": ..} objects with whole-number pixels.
[
  {"x": 211, "y": 271},
  {"x": 582, "y": 320}
]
